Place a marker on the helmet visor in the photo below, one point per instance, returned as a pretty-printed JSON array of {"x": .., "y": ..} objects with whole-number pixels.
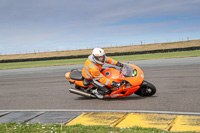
[{"x": 100, "y": 59}]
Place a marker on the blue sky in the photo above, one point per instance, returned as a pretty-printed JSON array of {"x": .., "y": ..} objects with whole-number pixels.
[{"x": 28, "y": 26}]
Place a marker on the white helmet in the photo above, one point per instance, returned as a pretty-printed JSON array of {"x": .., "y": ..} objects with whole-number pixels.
[{"x": 97, "y": 53}]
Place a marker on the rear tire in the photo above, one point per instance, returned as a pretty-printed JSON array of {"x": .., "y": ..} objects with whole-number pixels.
[
  {"x": 77, "y": 86},
  {"x": 146, "y": 89}
]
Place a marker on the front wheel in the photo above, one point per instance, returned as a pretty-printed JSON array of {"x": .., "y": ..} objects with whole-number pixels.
[{"x": 146, "y": 89}]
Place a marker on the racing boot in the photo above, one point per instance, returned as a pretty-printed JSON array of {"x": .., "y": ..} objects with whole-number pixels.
[
  {"x": 103, "y": 90},
  {"x": 97, "y": 94},
  {"x": 100, "y": 91}
]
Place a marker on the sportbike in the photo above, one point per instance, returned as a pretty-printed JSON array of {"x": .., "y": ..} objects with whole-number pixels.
[{"x": 130, "y": 76}]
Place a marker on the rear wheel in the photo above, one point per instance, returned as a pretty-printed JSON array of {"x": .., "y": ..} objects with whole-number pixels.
[
  {"x": 77, "y": 86},
  {"x": 85, "y": 89},
  {"x": 146, "y": 89}
]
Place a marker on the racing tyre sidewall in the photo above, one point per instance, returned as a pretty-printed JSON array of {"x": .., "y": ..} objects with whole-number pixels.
[{"x": 146, "y": 89}]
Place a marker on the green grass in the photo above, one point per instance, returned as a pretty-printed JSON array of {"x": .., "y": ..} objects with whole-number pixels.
[
  {"x": 58, "y": 128},
  {"x": 159, "y": 55},
  {"x": 82, "y": 60},
  {"x": 41, "y": 63}
]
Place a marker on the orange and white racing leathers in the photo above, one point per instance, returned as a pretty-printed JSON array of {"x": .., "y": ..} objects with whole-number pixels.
[{"x": 92, "y": 70}]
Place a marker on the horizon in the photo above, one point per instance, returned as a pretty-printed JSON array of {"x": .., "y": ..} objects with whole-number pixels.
[{"x": 103, "y": 48}]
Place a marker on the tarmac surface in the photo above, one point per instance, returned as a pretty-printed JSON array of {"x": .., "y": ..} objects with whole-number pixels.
[{"x": 42, "y": 93}]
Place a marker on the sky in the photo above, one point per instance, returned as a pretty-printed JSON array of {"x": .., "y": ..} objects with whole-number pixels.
[{"x": 28, "y": 26}]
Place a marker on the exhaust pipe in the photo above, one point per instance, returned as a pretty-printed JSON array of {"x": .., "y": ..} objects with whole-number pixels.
[{"x": 78, "y": 92}]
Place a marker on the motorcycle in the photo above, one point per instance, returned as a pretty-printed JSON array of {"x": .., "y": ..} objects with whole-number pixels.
[{"x": 130, "y": 76}]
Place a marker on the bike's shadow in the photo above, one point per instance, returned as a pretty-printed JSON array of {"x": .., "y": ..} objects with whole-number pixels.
[{"x": 132, "y": 97}]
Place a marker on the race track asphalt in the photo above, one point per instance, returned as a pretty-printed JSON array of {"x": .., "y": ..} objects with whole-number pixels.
[{"x": 177, "y": 81}]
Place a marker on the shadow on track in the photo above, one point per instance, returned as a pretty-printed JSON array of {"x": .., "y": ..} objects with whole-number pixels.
[{"x": 133, "y": 97}]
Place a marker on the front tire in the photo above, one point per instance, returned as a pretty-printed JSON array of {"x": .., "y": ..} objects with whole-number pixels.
[{"x": 146, "y": 89}]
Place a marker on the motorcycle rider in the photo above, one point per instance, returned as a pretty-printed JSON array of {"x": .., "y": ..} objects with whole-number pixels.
[{"x": 92, "y": 72}]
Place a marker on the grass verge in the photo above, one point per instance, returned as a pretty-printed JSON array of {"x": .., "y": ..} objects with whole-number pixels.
[
  {"x": 58, "y": 128},
  {"x": 82, "y": 60}
]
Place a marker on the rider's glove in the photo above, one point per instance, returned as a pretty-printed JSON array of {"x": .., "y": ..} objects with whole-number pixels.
[
  {"x": 115, "y": 84},
  {"x": 119, "y": 64}
]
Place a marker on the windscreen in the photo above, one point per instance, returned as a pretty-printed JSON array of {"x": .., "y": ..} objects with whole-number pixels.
[{"x": 127, "y": 70}]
